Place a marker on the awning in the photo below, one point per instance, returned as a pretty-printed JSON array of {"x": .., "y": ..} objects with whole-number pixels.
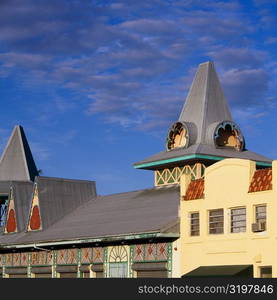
[
  {"x": 16, "y": 270},
  {"x": 148, "y": 266},
  {"x": 41, "y": 270},
  {"x": 66, "y": 269},
  {"x": 222, "y": 271}
]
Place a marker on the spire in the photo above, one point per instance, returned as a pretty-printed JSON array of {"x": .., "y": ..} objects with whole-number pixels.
[
  {"x": 205, "y": 103},
  {"x": 204, "y": 132},
  {"x": 17, "y": 161}
]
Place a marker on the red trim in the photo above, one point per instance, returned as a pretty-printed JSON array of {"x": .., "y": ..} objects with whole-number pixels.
[
  {"x": 11, "y": 223},
  {"x": 35, "y": 218}
]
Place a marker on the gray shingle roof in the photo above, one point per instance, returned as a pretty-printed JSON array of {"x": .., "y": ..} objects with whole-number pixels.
[
  {"x": 5, "y": 187},
  {"x": 59, "y": 197},
  {"x": 17, "y": 161},
  {"x": 143, "y": 211},
  {"x": 22, "y": 192}
]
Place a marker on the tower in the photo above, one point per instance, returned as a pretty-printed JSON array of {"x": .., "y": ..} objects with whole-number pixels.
[
  {"x": 204, "y": 134},
  {"x": 16, "y": 164}
]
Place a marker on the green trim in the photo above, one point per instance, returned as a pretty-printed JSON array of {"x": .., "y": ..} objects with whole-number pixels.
[
  {"x": 259, "y": 163},
  {"x": 79, "y": 258},
  {"x": 12, "y": 267},
  {"x": 105, "y": 262},
  {"x": 34, "y": 266},
  {"x": 187, "y": 157},
  {"x": 169, "y": 260},
  {"x": 54, "y": 262},
  {"x": 176, "y": 159},
  {"x": 131, "y": 257},
  {"x": 65, "y": 265},
  {"x": 150, "y": 261}
]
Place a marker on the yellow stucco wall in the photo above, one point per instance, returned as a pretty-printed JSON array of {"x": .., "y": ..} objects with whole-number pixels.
[
  {"x": 226, "y": 186},
  {"x": 176, "y": 258}
]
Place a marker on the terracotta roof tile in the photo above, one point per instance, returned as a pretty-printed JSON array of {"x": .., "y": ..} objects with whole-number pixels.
[
  {"x": 261, "y": 181},
  {"x": 195, "y": 190}
]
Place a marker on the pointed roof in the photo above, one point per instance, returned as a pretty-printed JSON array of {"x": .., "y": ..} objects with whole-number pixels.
[
  {"x": 105, "y": 217},
  {"x": 57, "y": 197},
  {"x": 205, "y": 103},
  {"x": 17, "y": 161},
  {"x": 20, "y": 194},
  {"x": 204, "y": 110}
]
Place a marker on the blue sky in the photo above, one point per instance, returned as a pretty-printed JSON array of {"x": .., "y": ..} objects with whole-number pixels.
[{"x": 96, "y": 84}]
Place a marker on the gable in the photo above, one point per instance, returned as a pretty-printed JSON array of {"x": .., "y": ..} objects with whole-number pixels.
[
  {"x": 11, "y": 222},
  {"x": 35, "y": 217}
]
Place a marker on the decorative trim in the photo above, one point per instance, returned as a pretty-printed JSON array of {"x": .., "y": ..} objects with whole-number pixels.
[
  {"x": 234, "y": 131},
  {"x": 131, "y": 257},
  {"x": 173, "y": 175},
  {"x": 169, "y": 260},
  {"x": 155, "y": 252},
  {"x": 11, "y": 220},
  {"x": 34, "y": 222},
  {"x": 184, "y": 158},
  {"x": 105, "y": 262},
  {"x": 126, "y": 237},
  {"x": 178, "y": 136},
  {"x": 79, "y": 257},
  {"x": 54, "y": 270}
]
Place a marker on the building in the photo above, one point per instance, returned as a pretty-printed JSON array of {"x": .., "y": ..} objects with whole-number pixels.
[
  {"x": 228, "y": 221},
  {"x": 56, "y": 227}
]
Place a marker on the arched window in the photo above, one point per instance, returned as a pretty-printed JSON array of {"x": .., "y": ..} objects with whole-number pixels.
[{"x": 118, "y": 262}]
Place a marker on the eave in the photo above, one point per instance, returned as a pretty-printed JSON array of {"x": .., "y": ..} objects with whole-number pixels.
[
  {"x": 105, "y": 239},
  {"x": 184, "y": 158}
]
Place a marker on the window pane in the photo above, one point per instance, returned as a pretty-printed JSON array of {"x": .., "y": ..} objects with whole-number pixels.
[
  {"x": 238, "y": 220},
  {"x": 216, "y": 221},
  {"x": 118, "y": 270},
  {"x": 194, "y": 224},
  {"x": 260, "y": 212},
  {"x": 3, "y": 208}
]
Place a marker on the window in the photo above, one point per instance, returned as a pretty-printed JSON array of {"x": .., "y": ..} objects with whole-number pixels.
[
  {"x": 3, "y": 209},
  {"x": 260, "y": 214},
  {"x": 216, "y": 221},
  {"x": 266, "y": 272},
  {"x": 194, "y": 224},
  {"x": 118, "y": 270},
  {"x": 118, "y": 262},
  {"x": 238, "y": 219}
]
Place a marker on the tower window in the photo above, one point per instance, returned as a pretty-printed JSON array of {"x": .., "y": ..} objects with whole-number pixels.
[{"x": 228, "y": 134}]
